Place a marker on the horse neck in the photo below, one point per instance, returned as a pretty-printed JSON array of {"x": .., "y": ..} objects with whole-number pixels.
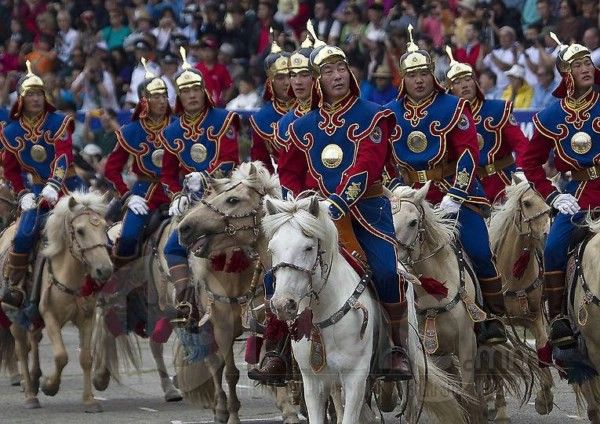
[
  {"x": 442, "y": 266},
  {"x": 335, "y": 290},
  {"x": 68, "y": 270}
]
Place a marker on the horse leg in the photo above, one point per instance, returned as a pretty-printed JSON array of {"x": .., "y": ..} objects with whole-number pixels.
[
  {"x": 172, "y": 394},
  {"x": 354, "y": 393},
  {"x": 315, "y": 396},
  {"x": 85, "y": 360},
  {"x": 338, "y": 403},
  {"x": 36, "y": 372},
  {"x": 51, "y": 383},
  {"x": 22, "y": 351},
  {"x": 500, "y": 406},
  {"x": 289, "y": 411},
  {"x": 215, "y": 365},
  {"x": 101, "y": 378},
  {"x": 13, "y": 371},
  {"x": 544, "y": 400},
  {"x": 467, "y": 354},
  {"x": 232, "y": 376}
]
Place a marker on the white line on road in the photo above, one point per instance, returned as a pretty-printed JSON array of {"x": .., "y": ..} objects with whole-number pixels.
[
  {"x": 143, "y": 408},
  {"x": 575, "y": 417}
]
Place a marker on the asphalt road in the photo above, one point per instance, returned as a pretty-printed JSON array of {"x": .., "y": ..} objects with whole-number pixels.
[{"x": 140, "y": 400}]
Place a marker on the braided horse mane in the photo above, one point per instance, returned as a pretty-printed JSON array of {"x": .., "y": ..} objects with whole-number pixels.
[
  {"x": 251, "y": 174},
  {"x": 55, "y": 230}
]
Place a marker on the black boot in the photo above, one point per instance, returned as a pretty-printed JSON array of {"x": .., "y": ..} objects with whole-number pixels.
[
  {"x": 273, "y": 368},
  {"x": 13, "y": 294},
  {"x": 492, "y": 330},
  {"x": 561, "y": 334},
  {"x": 395, "y": 364}
]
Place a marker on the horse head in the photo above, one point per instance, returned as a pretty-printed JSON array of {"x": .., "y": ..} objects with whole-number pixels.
[
  {"x": 230, "y": 212},
  {"x": 302, "y": 238},
  {"x": 77, "y": 227},
  {"x": 408, "y": 211},
  {"x": 533, "y": 218}
]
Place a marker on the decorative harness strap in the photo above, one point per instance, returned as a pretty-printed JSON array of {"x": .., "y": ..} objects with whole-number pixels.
[{"x": 588, "y": 296}]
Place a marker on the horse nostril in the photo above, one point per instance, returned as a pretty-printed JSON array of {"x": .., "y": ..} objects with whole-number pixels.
[
  {"x": 291, "y": 305},
  {"x": 184, "y": 229}
]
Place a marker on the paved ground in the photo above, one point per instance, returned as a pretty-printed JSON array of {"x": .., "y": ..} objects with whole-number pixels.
[{"x": 139, "y": 400}]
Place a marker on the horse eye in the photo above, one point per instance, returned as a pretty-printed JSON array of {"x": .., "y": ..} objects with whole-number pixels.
[
  {"x": 232, "y": 200},
  {"x": 527, "y": 203},
  {"x": 308, "y": 249},
  {"x": 80, "y": 231},
  {"x": 413, "y": 223}
]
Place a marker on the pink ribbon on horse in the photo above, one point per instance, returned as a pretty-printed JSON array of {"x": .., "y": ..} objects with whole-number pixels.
[
  {"x": 162, "y": 331},
  {"x": 434, "y": 287},
  {"x": 4, "y": 321},
  {"x": 89, "y": 288}
]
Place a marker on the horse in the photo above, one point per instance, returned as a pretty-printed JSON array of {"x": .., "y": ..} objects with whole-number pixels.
[
  {"x": 75, "y": 260},
  {"x": 517, "y": 234},
  {"x": 428, "y": 245},
  {"x": 8, "y": 205},
  {"x": 145, "y": 280},
  {"x": 239, "y": 204}
]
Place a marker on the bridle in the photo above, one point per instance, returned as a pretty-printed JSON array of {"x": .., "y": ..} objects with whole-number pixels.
[
  {"x": 522, "y": 220},
  {"x": 319, "y": 262},
  {"x": 77, "y": 250},
  {"x": 230, "y": 229}
]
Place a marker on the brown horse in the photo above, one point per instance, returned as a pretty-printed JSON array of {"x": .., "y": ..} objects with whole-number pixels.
[{"x": 75, "y": 250}]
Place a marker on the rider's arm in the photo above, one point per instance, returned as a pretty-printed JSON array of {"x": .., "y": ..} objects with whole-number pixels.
[
  {"x": 259, "y": 150},
  {"x": 512, "y": 134},
  {"x": 63, "y": 154},
  {"x": 535, "y": 156},
  {"x": 170, "y": 174},
  {"x": 229, "y": 155},
  {"x": 13, "y": 172},
  {"x": 113, "y": 170},
  {"x": 292, "y": 167}
]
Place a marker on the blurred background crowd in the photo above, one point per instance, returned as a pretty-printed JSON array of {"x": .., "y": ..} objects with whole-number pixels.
[{"x": 88, "y": 51}]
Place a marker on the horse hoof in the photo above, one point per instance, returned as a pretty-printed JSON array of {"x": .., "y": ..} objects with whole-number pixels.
[
  {"x": 32, "y": 403},
  {"x": 173, "y": 395},
  {"x": 93, "y": 407},
  {"x": 233, "y": 420},
  {"x": 101, "y": 381},
  {"x": 291, "y": 420},
  {"x": 175, "y": 381},
  {"x": 543, "y": 405},
  {"x": 221, "y": 417},
  {"x": 50, "y": 389},
  {"x": 15, "y": 380}
]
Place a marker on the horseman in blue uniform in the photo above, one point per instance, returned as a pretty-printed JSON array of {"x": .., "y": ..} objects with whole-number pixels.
[
  {"x": 499, "y": 136},
  {"x": 37, "y": 141},
  {"x": 277, "y": 103},
  {"x": 570, "y": 129},
  {"x": 340, "y": 149},
  {"x": 141, "y": 140},
  {"x": 436, "y": 140},
  {"x": 201, "y": 144}
]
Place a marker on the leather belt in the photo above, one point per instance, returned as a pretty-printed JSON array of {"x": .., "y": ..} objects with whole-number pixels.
[
  {"x": 435, "y": 174},
  {"x": 36, "y": 179},
  {"x": 586, "y": 174},
  {"x": 146, "y": 179},
  {"x": 374, "y": 190},
  {"x": 494, "y": 167}
]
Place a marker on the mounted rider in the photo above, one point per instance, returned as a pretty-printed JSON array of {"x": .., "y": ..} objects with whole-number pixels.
[
  {"x": 498, "y": 133},
  {"x": 340, "y": 149},
  {"x": 141, "y": 140},
  {"x": 276, "y": 335},
  {"x": 202, "y": 143},
  {"x": 570, "y": 129},
  {"x": 436, "y": 140},
  {"x": 277, "y": 103},
  {"x": 37, "y": 142}
]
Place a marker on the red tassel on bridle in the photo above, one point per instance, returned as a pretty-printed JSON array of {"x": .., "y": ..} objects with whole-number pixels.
[
  {"x": 89, "y": 287},
  {"x": 521, "y": 263},
  {"x": 434, "y": 287},
  {"x": 218, "y": 262},
  {"x": 238, "y": 262}
]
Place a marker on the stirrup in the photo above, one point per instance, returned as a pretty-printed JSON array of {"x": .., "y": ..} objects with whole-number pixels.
[
  {"x": 277, "y": 380},
  {"x": 182, "y": 321},
  {"x": 567, "y": 339},
  {"x": 14, "y": 289}
]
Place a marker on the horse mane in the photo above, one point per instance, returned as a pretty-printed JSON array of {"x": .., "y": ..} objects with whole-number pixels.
[
  {"x": 295, "y": 211},
  {"x": 593, "y": 224},
  {"x": 438, "y": 229},
  {"x": 505, "y": 214},
  {"x": 58, "y": 221},
  {"x": 261, "y": 180}
]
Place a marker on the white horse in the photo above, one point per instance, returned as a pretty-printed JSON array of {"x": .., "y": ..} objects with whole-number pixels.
[
  {"x": 311, "y": 274},
  {"x": 517, "y": 233}
]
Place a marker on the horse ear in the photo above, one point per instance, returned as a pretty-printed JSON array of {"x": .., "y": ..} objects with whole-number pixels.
[
  {"x": 516, "y": 179},
  {"x": 252, "y": 170},
  {"x": 422, "y": 192},
  {"x": 314, "y": 207},
  {"x": 270, "y": 207},
  {"x": 72, "y": 203}
]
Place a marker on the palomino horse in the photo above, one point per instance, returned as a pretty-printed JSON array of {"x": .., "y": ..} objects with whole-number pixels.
[
  {"x": 8, "y": 205},
  {"x": 226, "y": 296},
  {"x": 75, "y": 252},
  {"x": 142, "y": 276},
  {"x": 517, "y": 234},
  {"x": 428, "y": 244},
  {"x": 239, "y": 202}
]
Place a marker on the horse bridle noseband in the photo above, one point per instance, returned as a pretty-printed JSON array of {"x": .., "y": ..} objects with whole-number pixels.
[
  {"x": 77, "y": 250},
  {"x": 528, "y": 219}
]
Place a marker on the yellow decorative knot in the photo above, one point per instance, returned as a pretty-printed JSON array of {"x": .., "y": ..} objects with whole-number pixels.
[
  {"x": 353, "y": 191},
  {"x": 462, "y": 178}
]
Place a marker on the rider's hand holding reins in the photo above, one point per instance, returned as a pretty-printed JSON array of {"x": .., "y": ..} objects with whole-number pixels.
[
  {"x": 179, "y": 205},
  {"x": 449, "y": 206},
  {"x": 27, "y": 202},
  {"x": 137, "y": 204},
  {"x": 566, "y": 203},
  {"x": 195, "y": 181},
  {"x": 50, "y": 194}
]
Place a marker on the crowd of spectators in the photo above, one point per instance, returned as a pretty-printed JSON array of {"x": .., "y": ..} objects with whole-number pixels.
[{"x": 88, "y": 51}]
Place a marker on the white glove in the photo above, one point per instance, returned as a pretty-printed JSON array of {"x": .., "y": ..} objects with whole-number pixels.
[
  {"x": 138, "y": 205},
  {"x": 566, "y": 203},
  {"x": 50, "y": 194},
  {"x": 27, "y": 202},
  {"x": 449, "y": 206},
  {"x": 194, "y": 181},
  {"x": 179, "y": 205}
]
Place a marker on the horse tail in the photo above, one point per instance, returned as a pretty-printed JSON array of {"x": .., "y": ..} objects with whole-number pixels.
[
  {"x": 110, "y": 352},
  {"x": 436, "y": 391},
  {"x": 194, "y": 380},
  {"x": 510, "y": 367},
  {"x": 7, "y": 350}
]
